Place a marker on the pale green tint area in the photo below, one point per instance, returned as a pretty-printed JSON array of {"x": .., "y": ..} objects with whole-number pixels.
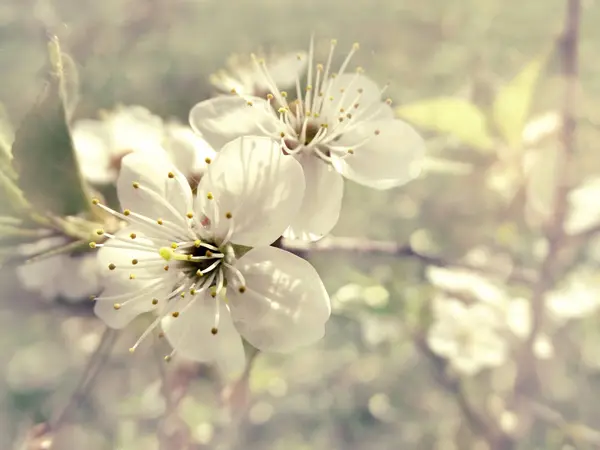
[{"x": 366, "y": 385}]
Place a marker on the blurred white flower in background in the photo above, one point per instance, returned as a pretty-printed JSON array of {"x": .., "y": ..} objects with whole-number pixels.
[
  {"x": 338, "y": 126},
  {"x": 244, "y": 77},
  {"x": 577, "y": 297},
  {"x": 70, "y": 276},
  {"x": 467, "y": 335},
  {"x": 188, "y": 259},
  {"x": 584, "y": 207},
  {"x": 101, "y": 144}
]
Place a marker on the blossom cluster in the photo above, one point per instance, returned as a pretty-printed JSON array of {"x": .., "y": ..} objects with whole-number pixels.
[{"x": 203, "y": 206}]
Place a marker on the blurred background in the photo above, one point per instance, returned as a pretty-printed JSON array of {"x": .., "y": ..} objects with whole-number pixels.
[{"x": 474, "y": 226}]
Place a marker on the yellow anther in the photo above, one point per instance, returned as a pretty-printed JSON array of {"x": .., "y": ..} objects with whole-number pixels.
[
  {"x": 199, "y": 273},
  {"x": 377, "y": 132},
  {"x": 359, "y": 69},
  {"x": 282, "y": 134},
  {"x": 193, "y": 291},
  {"x": 284, "y": 94},
  {"x": 175, "y": 314},
  {"x": 171, "y": 175},
  {"x": 168, "y": 358},
  {"x": 208, "y": 254},
  {"x": 309, "y": 87},
  {"x": 126, "y": 212},
  {"x": 324, "y": 125},
  {"x": 132, "y": 276},
  {"x": 299, "y": 56},
  {"x": 159, "y": 221},
  {"x": 349, "y": 116},
  {"x": 189, "y": 257},
  {"x": 269, "y": 96},
  {"x": 209, "y": 196},
  {"x": 197, "y": 243},
  {"x": 249, "y": 103},
  {"x": 350, "y": 151},
  {"x": 207, "y": 160},
  {"x": 228, "y": 215},
  {"x": 166, "y": 253},
  {"x": 99, "y": 231},
  {"x": 111, "y": 266},
  {"x": 233, "y": 91},
  {"x": 214, "y": 330},
  {"x": 155, "y": 301},
  {"x": 355, "y": 46},
  {"x": 132, "y": 350},
  {"x": 174, "y": 245},
  {"x": 133, "y": 235},
  {"x": 135, "y": 185},
  {"x": 213, "y": 294},
  {"x": 134, "y": 261},
  {"x": 92, "y": 297},
  {"x": 341, "y": 119},
  {"x": 242, "y": 289},
  {"x": 388, "y": 101},
  {"x": 334, "y": 42},
  {"x": 166, "y": 268},
  {"x": 319, "y": 67},
  {"x": 282, "y": 110},
  {"x": 95, "y": 201},
  {"x": 190, "y": 215},
  {"x": 117, "y": 306},
  {"x": 356, "y": 105},
  {"x": 93, "y": 244},
  {"x": 331, "y": 98}
]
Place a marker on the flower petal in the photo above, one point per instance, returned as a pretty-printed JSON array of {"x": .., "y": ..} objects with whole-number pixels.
[
  {"x": 134, "y": 304},
  {"x": 160, "y": 195},
  {"x": 286, "y": 69},
  {"x": 387, "y": 159},
  {"x": 191, "y": 337},
  {"x": 322, "y": 201},
  {"x": 347, "y": 90},
  {"x": 221, "y": 119},
  {"x": 254, "y": 181},
  {"x": 187, "y": 149},
  {"x": 285, "y": 304},
  {"x": 91, "y": 141}
]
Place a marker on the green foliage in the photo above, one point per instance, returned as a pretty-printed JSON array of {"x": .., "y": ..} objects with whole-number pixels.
[
  {"x": 512, "y": 105},
  {"x": 453, "y": 116},
  {"x": 43, "y": 149}
]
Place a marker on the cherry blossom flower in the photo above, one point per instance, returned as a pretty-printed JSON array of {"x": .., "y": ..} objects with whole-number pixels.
[
  {"x": 467, "y": 335},
  {"x": 101, "y": 144},
  {"x": 187, "y": 257},
  {"x": 337, "y": 127}
]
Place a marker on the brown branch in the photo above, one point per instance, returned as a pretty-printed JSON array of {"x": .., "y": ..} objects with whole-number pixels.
[
  {"x": 555, "y": 232},
  {"x": 389, "y": 248}
]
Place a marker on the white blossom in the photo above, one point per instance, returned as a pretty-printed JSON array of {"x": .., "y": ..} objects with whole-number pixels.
[
  {"x": 101, "y": 144},
  {"x": 338, "y": 126},
  {"x": 467, "y": 335},
  {"x": 186, "y": 258},
  {"x": 69, "y": 276},
  {"x": 577, "y": 297},
  {"x": 243, "y": 77}
]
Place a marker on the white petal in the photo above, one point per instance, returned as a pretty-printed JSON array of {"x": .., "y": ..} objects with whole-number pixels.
[
  {"x": 348, "y": 90},
  {"x": 287, "y": 68},
  {"x": 169, "y": 199},
  {"x": 91, "y": 140},
  {"x": 254, "y": 181},
  {"x": 135, "y": 129},
  {"x": 191, "y": 337},
  {"x": 187, "y": 149},
  {"x": 386, "y": 160},
  {"x": 285, "y": 304},
  {"x": 132, "y": 307},
  {"x": 79, "y": 277},
  {"x": 221, "y": 119},
  {"x": 441, "y": 338},
  {"x": 322, "y": 201}
]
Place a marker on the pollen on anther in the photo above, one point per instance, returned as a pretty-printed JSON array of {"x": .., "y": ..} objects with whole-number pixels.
[
  {"x": 93, "y": 244},
  {"x": 166, "y": 268},
  {"x": 190, "y": 215},
  {"x": 209, "y": 196},
  {"x": 174, "y": 245},
  {"x": 95, "y": 201},
  {"x": 161, "y": 334},
  {"x": 99, "y": 231},
  {"x": 388, "y": 101},
  {"x": 214, "y": 330},
  {"x": 360, "y": 90},
  {"x": 175, "y": 314},
  {"x": 171, "y": 175},
  {"x": 159, "y": 221},
  {"x": 350, "y": 151},
  {"x": 126, "y": 212},
  {"x": 199, "y": 273},
  {"x": 197, "y": 243},
  {"x": 228, "y": 215},
  {"x": 233, "y": 91},
  {"x": 284, "y": 94},
  {"x": 155, "y": 301},
  {"x": 135, "y": 185},
  {"x": 133, "y": 235},
  {"x": 92, "y": 297},
  {"x": 249, "y": 103},
  {"x": 355, "y": 46},
  {"x": 134, "y": 261},
  {"x": 117, "y": 306},
  {"x": 193, "y": 291},
  {"x": 111, "y": 266},
  {"x": 132, "y": 276},
  {"x": 213, "y": 294},
  {"x": 208, "y": 254},
  {"x": 377, "y": 132},
  {"x": 242, "y": 289},
  {"x": 269, "y": 96},
  {"x": 167, "y": 358},
  {"x": 207, "y": 160}
]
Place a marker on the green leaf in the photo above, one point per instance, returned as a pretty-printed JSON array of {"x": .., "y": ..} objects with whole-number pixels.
[
  {"x": 43, "y": 150},
  {"x": 449, "y": 115},
  {"x": 11, "y": 196},
  {"x": 70, "y": 84},
  {"x": 513, "y": 102},
  {"x": 7, "y": 136}
]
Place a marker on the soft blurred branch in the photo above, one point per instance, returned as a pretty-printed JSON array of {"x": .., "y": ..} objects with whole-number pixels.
[
  {"x": 555, "y": 235},
  {"x": 389, "y": 248}
]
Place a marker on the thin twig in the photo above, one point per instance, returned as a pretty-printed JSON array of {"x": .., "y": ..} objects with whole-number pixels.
[
  {"x": 555, "y": 232},
  {"x": 390, "y": 248},
  {"x": 90, "y": 373}
]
